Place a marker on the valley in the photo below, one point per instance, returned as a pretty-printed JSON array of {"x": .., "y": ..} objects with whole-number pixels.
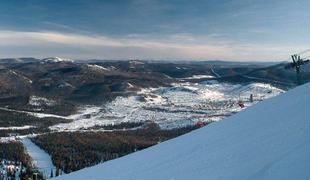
[{"x": 61, "y": 99}]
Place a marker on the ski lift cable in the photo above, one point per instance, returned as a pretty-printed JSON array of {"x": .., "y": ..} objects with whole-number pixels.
[
  {"x": 306, "y": 57},
  {"x": 303, "y": 52}
]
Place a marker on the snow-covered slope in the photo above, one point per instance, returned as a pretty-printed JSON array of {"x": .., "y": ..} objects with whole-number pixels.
[
  {"x": 56, "y": 59},
  {"x": 270, "y": 140},
  {"x": 41, "y": 160}
]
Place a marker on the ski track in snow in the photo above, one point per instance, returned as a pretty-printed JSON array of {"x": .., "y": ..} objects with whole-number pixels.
[{"x": 215, "y": 73}]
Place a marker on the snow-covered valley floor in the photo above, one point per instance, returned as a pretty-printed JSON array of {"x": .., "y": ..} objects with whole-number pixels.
[
  {"x": 172, "y": 107},
  {"x": 177, "y": 106}
]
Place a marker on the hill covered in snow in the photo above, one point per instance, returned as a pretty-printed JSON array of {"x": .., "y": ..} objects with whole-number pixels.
[{"x": 270, "y": 140}]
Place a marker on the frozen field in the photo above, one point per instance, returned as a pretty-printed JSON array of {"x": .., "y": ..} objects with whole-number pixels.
[{"x": 177, "y": 106}]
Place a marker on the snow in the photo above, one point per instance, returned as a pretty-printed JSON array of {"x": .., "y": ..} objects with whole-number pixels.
[
  {"x": 56, "y": 59},
  {"x": 171, "y": 107},
  {"x": 44, "y": 115},
  {"x": 39, "y": 115},
  {"x": 87, "y": 116},
  {"x": 39, "y": 101},
  {"x": 270, "y": 140},
  {"x": 201, "y": 76},
  {"x": 8, "y": 139},
  {"x": 215, "y": 73},
  {"x": 6, "y": 166},
  {"x": 16, "y": 127},
  {"x": 136, "y": 62},
  {"x": 181, "y": 105},
  {"x": 97, "y": 67},
  {"x": 22, "y": 76},
  {"x": 130, "y": 85},
  {"x": 40, "y": 158}
]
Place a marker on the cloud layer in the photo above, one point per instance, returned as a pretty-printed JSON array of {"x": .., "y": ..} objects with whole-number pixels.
[
  {"x": 177, "y": 46},
  {"x": 154, "y": 29}
]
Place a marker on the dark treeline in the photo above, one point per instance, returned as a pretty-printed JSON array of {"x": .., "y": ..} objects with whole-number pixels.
[
  {"x": 72, "y": 151},
  {"x": 123, "y": 125}
]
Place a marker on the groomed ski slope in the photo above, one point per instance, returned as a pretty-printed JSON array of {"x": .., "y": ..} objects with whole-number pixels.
[
  {"x": 40, "y": 158},
  {"x": 270, "y": 140}
]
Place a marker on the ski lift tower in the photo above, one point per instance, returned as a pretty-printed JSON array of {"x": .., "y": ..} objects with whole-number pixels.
[{"x": 297, "y": 63}]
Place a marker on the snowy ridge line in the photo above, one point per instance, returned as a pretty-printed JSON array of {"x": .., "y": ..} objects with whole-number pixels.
[
  {"x": 97, "y": 67},
  {"x": 56, "y": 59}
]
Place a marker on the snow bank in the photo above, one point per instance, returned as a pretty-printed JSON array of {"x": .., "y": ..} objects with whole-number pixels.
[{"x": 270, "y": 140}]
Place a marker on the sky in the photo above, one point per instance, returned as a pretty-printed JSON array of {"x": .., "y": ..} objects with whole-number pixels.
[{"x": 240, "y": 30}]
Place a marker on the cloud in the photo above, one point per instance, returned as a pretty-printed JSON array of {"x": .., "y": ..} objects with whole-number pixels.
[{"x": 177, "y": 46}]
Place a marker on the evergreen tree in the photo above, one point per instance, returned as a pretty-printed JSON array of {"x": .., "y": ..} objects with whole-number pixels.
[
  {"x": 57, "y": 171},
  {"x": 52, "y": 175}
]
